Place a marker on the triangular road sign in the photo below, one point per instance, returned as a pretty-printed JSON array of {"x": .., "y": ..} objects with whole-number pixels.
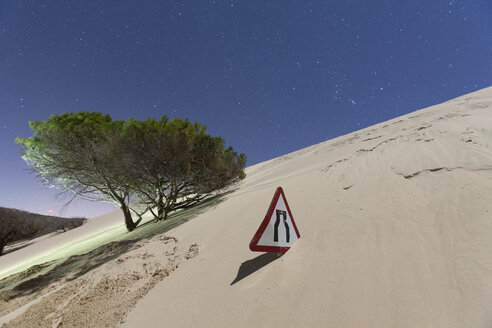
[{"x": 278, "y": 231}]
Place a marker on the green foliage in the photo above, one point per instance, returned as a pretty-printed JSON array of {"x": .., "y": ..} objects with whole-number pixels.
[
  {"x": 73, "y": 152},
  {"x": 159, "y": 165},
  {"x": 178, "y": 163}
]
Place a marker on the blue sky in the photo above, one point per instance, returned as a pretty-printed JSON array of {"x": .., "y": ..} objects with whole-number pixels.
[{"x": 270, "y": 77}]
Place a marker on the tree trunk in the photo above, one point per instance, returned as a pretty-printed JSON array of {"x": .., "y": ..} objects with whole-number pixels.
[
  {"x": 130, "y": 225},
  {"x": 160, "y": 207},
  {"x": 162, "y": 213},
  {"x": 2, "y": 245}
]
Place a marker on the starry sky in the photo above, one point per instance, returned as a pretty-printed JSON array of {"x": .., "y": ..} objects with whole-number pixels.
[{"x": 270, "y": 77}]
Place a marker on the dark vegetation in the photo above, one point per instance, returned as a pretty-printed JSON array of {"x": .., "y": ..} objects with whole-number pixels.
[
  {"x": 17, "y": 225},
  {"x": 152, "y": 165}
]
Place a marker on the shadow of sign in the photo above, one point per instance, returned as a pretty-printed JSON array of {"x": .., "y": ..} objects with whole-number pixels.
[{"x": 251, "y": 266}]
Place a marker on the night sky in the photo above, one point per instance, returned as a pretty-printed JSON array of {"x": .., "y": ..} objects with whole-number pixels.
[{"x": 270, "y": 77}]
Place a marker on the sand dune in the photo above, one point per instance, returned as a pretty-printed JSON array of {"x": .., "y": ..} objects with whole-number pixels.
[
  {"x": 395, "y": 224},
  {"x": 396, "y": 231}
]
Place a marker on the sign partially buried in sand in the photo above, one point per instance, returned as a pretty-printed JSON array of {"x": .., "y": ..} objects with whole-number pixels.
[{"x": 278, "y": 231}]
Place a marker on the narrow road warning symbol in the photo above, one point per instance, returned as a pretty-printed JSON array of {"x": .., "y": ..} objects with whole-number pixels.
[{"x": 278, "y": 231}]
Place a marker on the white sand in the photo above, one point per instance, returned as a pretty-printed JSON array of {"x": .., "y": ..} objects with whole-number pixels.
[{"x": 396, "y": 231}]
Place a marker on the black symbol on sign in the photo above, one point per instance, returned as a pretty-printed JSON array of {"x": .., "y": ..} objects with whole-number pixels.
[{"x": 277, "y": 222}]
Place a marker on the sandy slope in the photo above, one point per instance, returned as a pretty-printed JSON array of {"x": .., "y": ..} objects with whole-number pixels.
[
  {"x": 396, "y": 231},
  {"x": 100, "y": 294},
  {"x": 43, "y": 247}
]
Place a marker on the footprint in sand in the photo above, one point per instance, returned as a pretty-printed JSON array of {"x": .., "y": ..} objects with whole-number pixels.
[{"x": 192, "y": 252}]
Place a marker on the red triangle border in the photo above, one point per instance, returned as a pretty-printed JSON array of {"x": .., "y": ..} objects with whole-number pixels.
[{"x": 253, "y": 245}]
